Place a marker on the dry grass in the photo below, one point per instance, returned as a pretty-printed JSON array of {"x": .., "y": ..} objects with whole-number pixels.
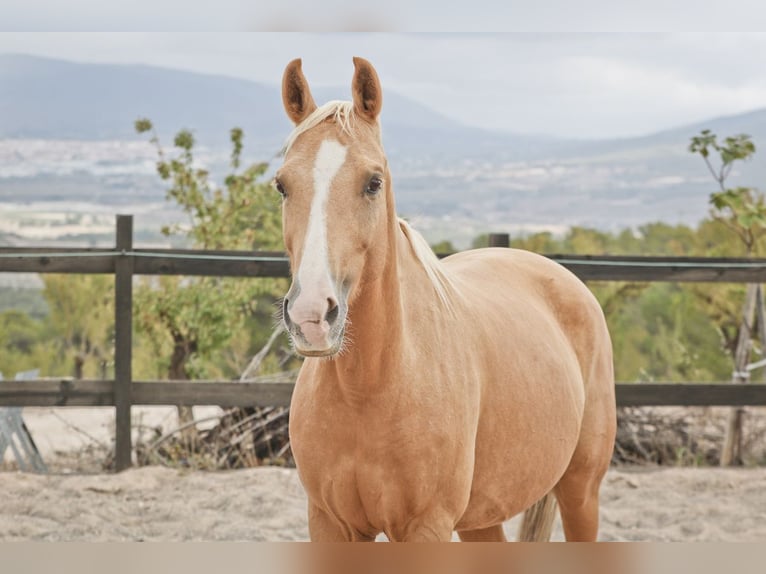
[{"x": 684, "y": 436}]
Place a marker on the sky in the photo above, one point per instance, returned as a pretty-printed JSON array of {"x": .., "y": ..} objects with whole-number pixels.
[
  {"x": 400, "y": 15},
  {"x": 582, "y": 85}
]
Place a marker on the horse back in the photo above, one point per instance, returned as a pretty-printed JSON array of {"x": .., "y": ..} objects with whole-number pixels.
[{"x": 527, "y": 297}]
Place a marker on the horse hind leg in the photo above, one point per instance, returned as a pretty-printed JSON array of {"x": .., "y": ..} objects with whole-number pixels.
[
  {"x": 578, "y": 499},
  {"x": 492, "y": 534},
  {"x": 578, "y": 489}
]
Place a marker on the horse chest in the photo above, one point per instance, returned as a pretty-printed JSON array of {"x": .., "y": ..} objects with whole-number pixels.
[
  {"x": 360, "y": 448},
  {"x": 371, "y": 472}
]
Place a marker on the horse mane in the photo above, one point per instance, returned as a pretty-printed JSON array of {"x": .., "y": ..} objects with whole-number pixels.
[
  {"x": 342, "y": 112},
  {"x": 434, "y": 269}
]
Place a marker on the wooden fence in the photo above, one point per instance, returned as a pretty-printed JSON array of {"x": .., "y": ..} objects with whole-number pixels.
[{"x": 124, "y": 262}]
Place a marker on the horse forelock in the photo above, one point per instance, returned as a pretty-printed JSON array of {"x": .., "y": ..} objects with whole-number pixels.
[{"x": 340, "y": 111}]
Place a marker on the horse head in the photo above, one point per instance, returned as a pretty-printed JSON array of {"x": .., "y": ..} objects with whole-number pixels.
[{"x": 337, "y": 202}]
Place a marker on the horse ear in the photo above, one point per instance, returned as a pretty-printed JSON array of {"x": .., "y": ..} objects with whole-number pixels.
[
  {"x": 365, "y": 87},
  {"x": 296, "y": 95}
]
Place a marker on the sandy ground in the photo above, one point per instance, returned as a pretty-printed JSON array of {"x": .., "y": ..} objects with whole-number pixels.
[
  {"x": 62, "y": 434},
  {"x": 268, "y": 504}
]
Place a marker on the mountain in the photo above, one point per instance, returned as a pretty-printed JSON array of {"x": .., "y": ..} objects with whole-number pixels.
[
  {"x": 55, "y": 99},
  {"x": 457, "y": 181},
  {"x": 52, "y": 99}
]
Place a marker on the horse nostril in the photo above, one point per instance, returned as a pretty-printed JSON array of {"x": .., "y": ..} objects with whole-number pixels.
[
  {"x": 332, "y": 310},
  {"x": 285, "y": 313}
]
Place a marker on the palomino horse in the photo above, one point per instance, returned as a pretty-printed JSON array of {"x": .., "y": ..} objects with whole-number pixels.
[{"x": 435, "y": 395}]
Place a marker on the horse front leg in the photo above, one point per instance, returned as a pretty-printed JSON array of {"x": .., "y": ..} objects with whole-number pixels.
[
  {"x": 433, "y": 528},
  {"x": 323, "y": 528}
]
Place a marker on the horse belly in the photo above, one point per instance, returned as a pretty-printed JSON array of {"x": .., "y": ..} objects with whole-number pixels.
[
  {"x": 527, "y": 433},
  {"x": 510, "y": 481}
]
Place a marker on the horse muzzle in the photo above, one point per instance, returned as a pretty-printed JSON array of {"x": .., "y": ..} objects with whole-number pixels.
[{"x": 315, "y": 323}]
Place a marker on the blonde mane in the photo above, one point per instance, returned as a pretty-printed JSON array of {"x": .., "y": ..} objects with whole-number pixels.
[{"x": 434, "y": 269}]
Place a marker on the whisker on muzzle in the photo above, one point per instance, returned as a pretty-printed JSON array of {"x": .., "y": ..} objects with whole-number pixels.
[{"x": 279, "y": 312}]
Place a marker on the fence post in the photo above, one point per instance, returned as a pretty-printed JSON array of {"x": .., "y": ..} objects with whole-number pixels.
[
  {"x": 123, "y": 325},
  {"x": 499, "y": 240}
]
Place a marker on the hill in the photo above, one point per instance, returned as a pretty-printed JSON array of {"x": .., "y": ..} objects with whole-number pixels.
[
  {"x": 53, "y": 99},
  {"x": 455, "y": 179}
]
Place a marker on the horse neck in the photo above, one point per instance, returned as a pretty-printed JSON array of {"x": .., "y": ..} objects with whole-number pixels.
[{"x": 379, "y": 316}]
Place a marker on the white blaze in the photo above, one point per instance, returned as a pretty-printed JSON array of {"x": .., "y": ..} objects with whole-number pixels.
[{"x": 315, "y": 262}]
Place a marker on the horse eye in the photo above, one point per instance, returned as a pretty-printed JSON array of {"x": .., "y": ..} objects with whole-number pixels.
[
  {"x": 279, "y": 187},
  {"x": 374, "y": 186}
]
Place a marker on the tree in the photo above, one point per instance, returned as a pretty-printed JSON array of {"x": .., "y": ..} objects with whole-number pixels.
[
  {"x": 444, "y": 246},
  {"x": 81, "y": 318},
  {"x": 743, "y": 211},
  {"x": 65, "y": 329},
  {"x": 20, "y": 343},
  {"x": 190, "y": 319}
]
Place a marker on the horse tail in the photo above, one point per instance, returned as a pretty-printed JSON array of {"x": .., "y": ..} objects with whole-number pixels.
[{"x": 537, "y": 523}]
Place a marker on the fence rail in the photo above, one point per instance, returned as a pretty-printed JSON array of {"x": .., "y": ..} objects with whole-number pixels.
[
  {"x": 124, "y": 262},
  {"x": 67, "y": 392},
  {"x": 275, "y": 264}
]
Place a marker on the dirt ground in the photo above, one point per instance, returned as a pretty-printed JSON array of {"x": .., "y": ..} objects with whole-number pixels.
[{"x": 77, "y": 501}]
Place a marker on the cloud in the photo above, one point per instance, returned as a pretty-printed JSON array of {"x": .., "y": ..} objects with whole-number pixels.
[
  {"x": 576, "y": 85},
  {"x": 645, "y": 98}
]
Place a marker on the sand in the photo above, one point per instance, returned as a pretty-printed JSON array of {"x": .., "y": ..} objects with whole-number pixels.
[{"x": 268, "y": 504}]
